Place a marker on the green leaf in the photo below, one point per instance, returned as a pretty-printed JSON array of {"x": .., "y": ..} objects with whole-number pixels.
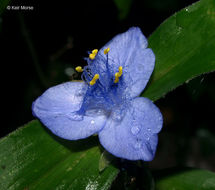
[
  {"x": 184, "y": 179},
  {"x": 32, "y": 158},
  {"x": 3, "y": 5},
  {"x": 184, "y": 47}
]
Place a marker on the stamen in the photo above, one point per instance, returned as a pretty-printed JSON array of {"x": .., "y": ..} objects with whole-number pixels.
[
  {"x": 79, "y": 69},
  {"x": 116, "y": 78},
  {"x": 106, "y": 51},
  {"x": 95, "y": 78},
  {"x": 93, "y": 54},
  {"x": 120, "y": 71},
  {"x": 95, "y": 51},
  {"x": 117, "y": 75}
]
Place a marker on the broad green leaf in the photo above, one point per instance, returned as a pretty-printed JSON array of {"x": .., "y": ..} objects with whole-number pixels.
[
  {"x": 32, "y": 158},
  {"x": 184, "y": 47},
  {"x": 3, "y": 5},
  {"x": 184, "y": 179}
]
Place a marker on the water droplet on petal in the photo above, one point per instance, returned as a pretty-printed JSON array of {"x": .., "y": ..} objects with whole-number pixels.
[
  {"x": 116, "y": 116},
  {"x": 135, "y": 130},
  {"x": 75, "y": 116},
  {"x": 160, "y": 118},
  {"x": 137, "y": 145},
  {"x": 79, "y": 92},
  {"x": 146, "y": 136},
  {"x": 99, "y": 111}
]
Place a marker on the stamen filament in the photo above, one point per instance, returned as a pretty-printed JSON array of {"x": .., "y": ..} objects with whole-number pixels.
[{"x": 95, "y": 78}]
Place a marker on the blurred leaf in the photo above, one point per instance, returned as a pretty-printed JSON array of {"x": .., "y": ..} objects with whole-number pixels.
[
  {"x": 3, "y": 5},
  {"x": 31, "y": 158},
  {"x": 134, "y": 176},
  {"x": 184, "y": 179},
  {"x": 124, "y": 7},
  {"x": 206, "y": 141},
  {"x": 105, "y": 159},
  {"x": 166, "y": 5},
  {"x": 200, "y": 86},
  {"x": 196, "y": 88},
  {"x": 184, "y": 47}
]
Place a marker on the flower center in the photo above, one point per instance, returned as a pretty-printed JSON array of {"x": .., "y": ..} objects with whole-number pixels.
[
  {"x": 96, "y": 65},
  {"x": 105, "y": 89}
]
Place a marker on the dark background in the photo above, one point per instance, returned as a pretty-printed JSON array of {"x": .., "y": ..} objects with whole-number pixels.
[{"x": 41, "y": 48}]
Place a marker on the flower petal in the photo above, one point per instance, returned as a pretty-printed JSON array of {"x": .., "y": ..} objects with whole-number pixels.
[
  {"x": 129, "y": 51},
  {"x": 57, "y": 108},
  {"x": 135, "y": 136}
]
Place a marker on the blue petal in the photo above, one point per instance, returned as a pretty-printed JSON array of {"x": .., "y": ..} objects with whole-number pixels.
[
  {"x": 130, "y": 50},
  {"x": 57, "y": 109},
  {"x": 135, "y": 136}
]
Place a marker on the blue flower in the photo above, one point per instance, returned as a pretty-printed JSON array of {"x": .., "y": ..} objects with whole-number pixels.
[{"x": 107, "y": 103}]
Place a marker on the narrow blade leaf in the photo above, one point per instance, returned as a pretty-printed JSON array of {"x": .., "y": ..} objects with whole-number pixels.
[
  {"x": 31, "y": 158},
  {"x": 184, "y": 47},
  {"x": 186, "y": 178}
]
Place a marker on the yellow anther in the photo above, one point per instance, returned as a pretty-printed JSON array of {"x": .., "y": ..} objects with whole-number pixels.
[
  {"x": 95, "y": 51},
  {"x": 95, "y": 78},
  {"x": 120, "y": 71},
  {"x": 79, "y": 69},
  {"x": 117, "y": 75},
  {"x": 106, "y": 51},
  {"x": 92, "y": 56},
  {"x": 116, "y": 78}
]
